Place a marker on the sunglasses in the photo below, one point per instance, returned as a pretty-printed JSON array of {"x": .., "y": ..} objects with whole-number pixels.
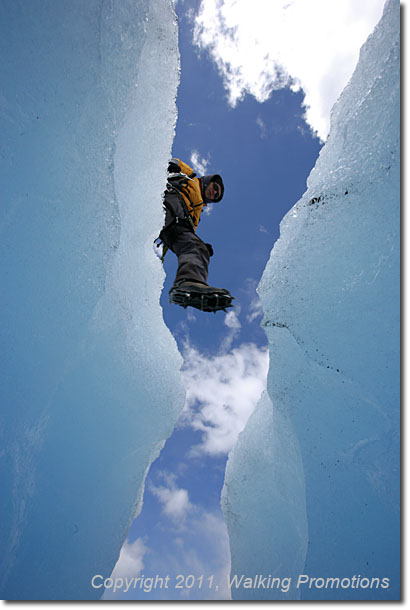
[{"x": 217, "y": 190}]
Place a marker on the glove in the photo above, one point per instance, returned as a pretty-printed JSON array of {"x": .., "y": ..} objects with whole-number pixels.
[
  {"x": 210, "y": 249},
  {"x": 173, "y": 167}
]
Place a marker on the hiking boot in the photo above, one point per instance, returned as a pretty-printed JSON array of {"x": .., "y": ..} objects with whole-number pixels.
[{"x": 201, "y": 296}]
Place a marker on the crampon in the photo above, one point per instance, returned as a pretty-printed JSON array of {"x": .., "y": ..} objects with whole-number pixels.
[{"x": 203, "y": 298}]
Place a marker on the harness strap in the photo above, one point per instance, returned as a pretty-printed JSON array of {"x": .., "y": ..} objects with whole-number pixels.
[
  {"x": 188, "y": 216},
  {"x": 176, "y": 180}
]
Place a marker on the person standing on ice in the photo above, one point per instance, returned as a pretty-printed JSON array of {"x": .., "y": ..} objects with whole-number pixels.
[{"x": 184, "y": 198}]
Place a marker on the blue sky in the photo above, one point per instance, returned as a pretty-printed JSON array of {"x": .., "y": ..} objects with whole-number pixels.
[{"x": 261, "y": 143}]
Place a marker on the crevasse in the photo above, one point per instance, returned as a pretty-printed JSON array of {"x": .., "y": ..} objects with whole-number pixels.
[{"x": 312, "y": 485}]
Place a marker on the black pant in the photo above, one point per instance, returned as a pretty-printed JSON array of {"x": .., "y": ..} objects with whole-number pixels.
[{"x": 192, "y": 253}]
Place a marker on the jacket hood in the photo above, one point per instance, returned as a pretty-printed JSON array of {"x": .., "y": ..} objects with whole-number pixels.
[{"x": 212, "y": 178}]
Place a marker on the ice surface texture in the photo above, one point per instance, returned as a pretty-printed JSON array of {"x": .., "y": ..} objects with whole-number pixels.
[
  {"x": 90, "y": 374},
  {"x": 319, "y": 494}
]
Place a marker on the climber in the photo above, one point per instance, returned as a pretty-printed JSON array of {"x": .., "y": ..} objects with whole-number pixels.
[{"x": 184, "y": 199}]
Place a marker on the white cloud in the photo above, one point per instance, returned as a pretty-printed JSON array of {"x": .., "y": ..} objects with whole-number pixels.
[
  {"x": 222, "y": 391},
  {"x": 232, "y": 322},
  {"x": 265, "y": 45},
  {"x": 201, "y": 548},
  {"x": 199, "y": 164},
  {"x": 199, "y": 544},
  {"x": 255, "y": 309},
  {"x": 260, "y": 123},
  {"x": 205, "y": 550},
  {"x": 131, "y": 560},
  {"x": 175, "y": 501}
]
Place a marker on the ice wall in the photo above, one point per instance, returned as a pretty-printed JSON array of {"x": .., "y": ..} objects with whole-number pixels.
[
  {"x": 312, "y": 487},
  {"x": 89, "y": 376}
]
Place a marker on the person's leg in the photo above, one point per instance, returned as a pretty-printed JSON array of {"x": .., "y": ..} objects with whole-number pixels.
[
  {"x": 193, "y": 258},
  {"x": 193, "y": 255}
]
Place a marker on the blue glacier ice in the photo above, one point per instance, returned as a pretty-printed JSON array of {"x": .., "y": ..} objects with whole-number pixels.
[
  {"x": 85, "y": 406},
  {"x": 312, "y": 487}
]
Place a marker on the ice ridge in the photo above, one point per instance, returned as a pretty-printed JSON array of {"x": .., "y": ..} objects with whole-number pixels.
[
  {"x": 312, "y": 487},
  {"x": 86, "y": 402}
]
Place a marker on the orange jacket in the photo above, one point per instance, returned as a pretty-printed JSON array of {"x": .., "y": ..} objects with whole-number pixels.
[{"x": 191, "y": 191}]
